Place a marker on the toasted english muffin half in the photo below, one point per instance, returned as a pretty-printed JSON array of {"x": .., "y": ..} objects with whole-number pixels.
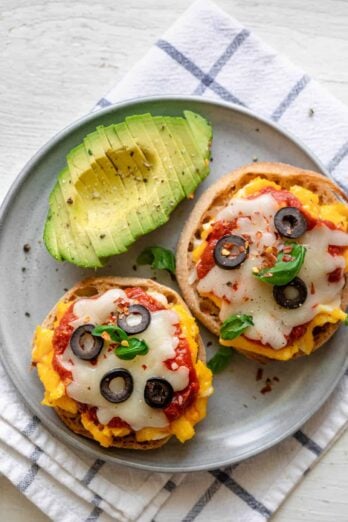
[
  {"x": 315, "y": 193},
  {"x": 73, "y": 413}
]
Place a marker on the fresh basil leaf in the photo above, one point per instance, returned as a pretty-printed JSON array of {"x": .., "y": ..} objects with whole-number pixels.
[
  {"x": 284, "y": 271},
  {"x": 116, "y": 333},
  {"x": 220, "y": 360},
  {"x": 158, "y": 257},
  {"x": 135, "y": 347},
  {"x": 235, "y": 325}
]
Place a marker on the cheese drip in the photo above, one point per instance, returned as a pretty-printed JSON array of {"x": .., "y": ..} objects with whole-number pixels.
[
  {"x": 242, "y": 293},
  {"x": 162, "y": 342}
]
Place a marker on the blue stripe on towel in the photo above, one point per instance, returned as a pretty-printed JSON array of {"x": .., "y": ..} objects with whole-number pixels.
[
  {"x": 224, "y": 58},
  {"x": 96, "y": 511},
  {"x": 303, "y": 439},
  {"x": 292, "y": 95},
  {"x": 31, "y": 426},
  {"x": 29, "y": 477},
  {"x": 242, "y": 493},
  {"x": 93, "y": 470},
  {"x": 197, "y": 72},
  {"x": 338, "y": 157}
]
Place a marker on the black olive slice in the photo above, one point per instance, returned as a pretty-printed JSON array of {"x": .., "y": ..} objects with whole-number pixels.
[
  {"x": 85, "y": 345},
  {"x": 290, "y": 222},
  {"x": 292, "y": 295},
  {"x": 135, "y": 321},
  {"x": 116, "y": 385},
  {"x": 230, "y": 252},
  {"x": 158, "y": 393}
]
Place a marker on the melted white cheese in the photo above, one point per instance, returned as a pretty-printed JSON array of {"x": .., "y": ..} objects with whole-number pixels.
[
  {"x": 161, "y": 339},
  {"x": 243, "y": 293}
]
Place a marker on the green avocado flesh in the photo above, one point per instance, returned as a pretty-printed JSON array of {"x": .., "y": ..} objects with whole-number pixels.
[{"x": 122, "y": 182}]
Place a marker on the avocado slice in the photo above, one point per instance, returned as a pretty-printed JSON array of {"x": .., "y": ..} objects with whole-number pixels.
[
  {"x": 159, "y": 155},
  {"x": 135, "y": 173},
  {"x": 173, "y": 142},
  {"x": 201, "y": 132},
  {"x": 69, "y": 239},
  {"x": 73, "y": 208},
  {"x": 189, "y": 148},
  {"x": 157, "y": 187},
  {"x": 126, "y": 185},
  {"x": 90, "y": 185},
  {"x": 122, "y": 182},
  {"x": 49, "y": 235},
  {"x": 105, "y": 170}
]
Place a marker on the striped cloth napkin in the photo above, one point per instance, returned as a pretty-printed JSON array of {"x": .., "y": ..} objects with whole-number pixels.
[{"x": 210, "y": 54}]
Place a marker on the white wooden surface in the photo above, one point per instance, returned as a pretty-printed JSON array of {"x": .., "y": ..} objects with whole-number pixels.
[{"x": 58, "y": 57}]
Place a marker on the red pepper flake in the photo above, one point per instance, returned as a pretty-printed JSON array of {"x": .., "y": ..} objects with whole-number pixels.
[
  {"x": 276, "y": 379},
  {"x": 144, "y": 366},
  {"x": 287, "y": 249},
  {"x": 259, "y": 374},
  {"x": 335, "y": 276},
  {"x": 266, "y": 389},
  {"x": 287, "y": 258},
  {"x": 312, "y": 288}
]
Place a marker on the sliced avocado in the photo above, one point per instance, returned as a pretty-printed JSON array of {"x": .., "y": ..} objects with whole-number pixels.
[
  {"x": 92, "y": 186},
  {"x": 127, "y": 190},
  {"x": 74, "y": 210},
  {"x": 178, "y": 128},
  {"x": 84, "y": 225},
  {"x": 201, "y": 132},
  {"x": 123, "y": 181},
  {"x": 101, "y": 163},
  {"x": 172, "y": 136},
  {"x": 69, "y": 249},
  {"x": 50, "y": 237},
  {"x": 191, "y": 151},
  {"x": 151, "y": 141},
  {"x": 135, "y": 173}
]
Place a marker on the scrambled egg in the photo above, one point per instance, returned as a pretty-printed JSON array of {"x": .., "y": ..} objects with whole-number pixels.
[
  {"x": 55, "y": 393},
  {"x": 337, "y": 213}
]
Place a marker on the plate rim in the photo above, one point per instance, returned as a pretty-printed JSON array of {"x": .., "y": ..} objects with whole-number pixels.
[{"x": 73, "y": 439}]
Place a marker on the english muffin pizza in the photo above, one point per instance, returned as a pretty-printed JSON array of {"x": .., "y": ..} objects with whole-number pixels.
[
  {"x": 262, "y": 260},
  {"x": 121, "y": 362}
]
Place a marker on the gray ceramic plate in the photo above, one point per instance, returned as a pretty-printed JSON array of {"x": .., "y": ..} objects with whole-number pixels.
[{"x": 241, "y": 421}]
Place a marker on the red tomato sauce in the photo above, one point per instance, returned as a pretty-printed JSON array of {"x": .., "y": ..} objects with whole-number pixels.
[
  {"x": 336, "y": 250},
  {"x": 286, "y": 199},
  {"x": 335, "y": 275},
  {"x": 297, "y": 332},
  {"x": 181, "y": 400},
  {"x": 184, "y": 398},
  {"x": 144, "y": 299},
  {"x": 207, "y": 261},
  {"x": 61, "y": 338}
]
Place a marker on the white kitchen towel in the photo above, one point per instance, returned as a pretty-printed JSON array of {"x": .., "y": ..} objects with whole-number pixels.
[{"x": 210, "y": 54}]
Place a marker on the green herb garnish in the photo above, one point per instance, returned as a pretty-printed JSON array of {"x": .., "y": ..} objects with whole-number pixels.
[
  {"x": 286, "y": 267},
  {"x": 235, "y": 325},
  {"x": 158, "y": 257},
  {"x": 130, "y": 347},
  {"x": 135, "y": 347},
  {"x": 345, "y": 322},
  {"x": 220, "y": 360}
]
